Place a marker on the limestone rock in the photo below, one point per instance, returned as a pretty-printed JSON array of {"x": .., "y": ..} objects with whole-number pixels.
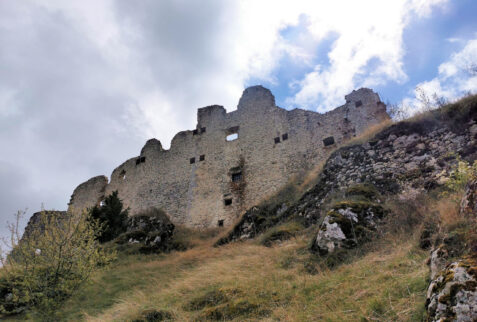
[
  {"x": 152, "y": 229},
  {"x": 347, "y": 225},
  {"x": 452, "y": 295}
]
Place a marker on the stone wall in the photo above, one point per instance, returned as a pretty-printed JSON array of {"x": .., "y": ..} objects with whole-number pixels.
[{"x": 204, "y": 180}]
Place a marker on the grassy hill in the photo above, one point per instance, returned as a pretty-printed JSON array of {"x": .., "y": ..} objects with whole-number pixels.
[{"x": 275, "y": 276}]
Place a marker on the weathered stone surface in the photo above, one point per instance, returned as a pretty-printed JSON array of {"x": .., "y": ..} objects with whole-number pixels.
[
  {"x": 88, "y": 194},
  {"x": 347, "y": 224},
  {"x": 152, "y": 230},
  {"x": 452, "y": 295},
  {"x": 381, "y": 162},
  {"x": 194, "y": 181},
  {"x": 38, "y": 219}
]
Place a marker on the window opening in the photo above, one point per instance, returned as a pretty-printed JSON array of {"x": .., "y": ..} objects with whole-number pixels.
[
  {"x": 202, "y": 157},
  {"x": 285, "y": 137},
  {"x": 329, "y": 141},
  {"x": 195, "y": 132},
  {"x": 192, "y": 160},
  {"x": 277, "y": 140},
  {"x": 236, "y": 177},
  {"x": 220, "y": 223},
  {"x": 232, "y": 137},
  {"x": 358, "y": 103},
  {"x": 227, "y": 202},
  {"x": 202, "y": 130},
  {"x": 138, "y": 160},
  {"x": 143, "y": 159}
]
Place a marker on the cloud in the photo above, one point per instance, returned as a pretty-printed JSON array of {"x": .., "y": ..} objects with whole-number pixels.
[
  {"x": 84, "y": 84},
  {"x": 456, "y": 77},
  {"x": 368, "y": 50}
]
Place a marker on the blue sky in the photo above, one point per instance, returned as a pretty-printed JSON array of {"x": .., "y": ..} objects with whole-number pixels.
[
  {"x": 84, "y": 84},
  {"x": 427, "y": 42}
]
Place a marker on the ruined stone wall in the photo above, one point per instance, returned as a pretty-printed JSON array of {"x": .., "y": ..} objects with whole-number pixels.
[
  {"x": 203, "y": 180},
  {"x": 88, "y": 194}
]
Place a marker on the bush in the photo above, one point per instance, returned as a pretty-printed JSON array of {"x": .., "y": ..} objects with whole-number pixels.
[
  {"x": 47, "y": 266},
  {"x": 111, "y": 216}
]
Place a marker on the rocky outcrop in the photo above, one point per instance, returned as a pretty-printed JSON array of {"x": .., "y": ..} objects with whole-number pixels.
[
  {"x": 452, "y": 295},
  {"x": 347, "y": 225},
  {"x": 409, "y": 156},
  {"x": 152, "y": 231}
]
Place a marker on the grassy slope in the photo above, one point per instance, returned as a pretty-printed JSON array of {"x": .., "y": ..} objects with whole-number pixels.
[
  {"x": 283, "y": 282},
  {"x": 269, "y": 283}
]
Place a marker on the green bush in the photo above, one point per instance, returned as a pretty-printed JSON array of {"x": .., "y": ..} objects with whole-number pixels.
[
  {"x": 111, "y": 216},
  {"x": 50, "y": 264}
]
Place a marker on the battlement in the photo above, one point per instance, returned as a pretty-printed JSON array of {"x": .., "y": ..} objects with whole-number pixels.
[{"x": 231, "y": 161}]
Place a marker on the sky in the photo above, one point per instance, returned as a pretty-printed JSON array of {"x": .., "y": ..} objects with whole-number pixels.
[{"x": 84, "y": 84}]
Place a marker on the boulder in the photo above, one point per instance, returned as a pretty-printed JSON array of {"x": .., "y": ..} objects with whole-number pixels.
[
  {"x": 151, "y": 229},
  {"x": 452, "y": 294},
  {"x": 346, "y": 225}
]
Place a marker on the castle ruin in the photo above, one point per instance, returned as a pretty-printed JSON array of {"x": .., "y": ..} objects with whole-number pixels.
[{"x": 231, "y": 161}]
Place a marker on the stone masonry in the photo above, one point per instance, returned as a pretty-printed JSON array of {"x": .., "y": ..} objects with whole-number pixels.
[{"x": 231, "y": 161}]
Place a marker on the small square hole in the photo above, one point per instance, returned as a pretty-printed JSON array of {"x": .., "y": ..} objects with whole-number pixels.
[
  {"x": 138, "y": 160},
  {"x": 220, "y": 223},
  {"x": 202, "y": 157},
  {"x": 227, "y": 202},
  {"x": 202, "y": 130},
  {"x": 143, "y": 159},
  {"x": 195, "y": 132},
  {"x": 236, "y": 177},
  {"x": 277, "y": 140},
  {"x": 329, "y": 141},
  {"x": 285, "y": 136},
  {"x": 192, "y": 160}
]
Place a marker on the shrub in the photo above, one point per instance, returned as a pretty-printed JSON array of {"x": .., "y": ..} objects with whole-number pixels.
[
  {"x": 48, "y": 265},
  {"x": 111, "y": 216}
]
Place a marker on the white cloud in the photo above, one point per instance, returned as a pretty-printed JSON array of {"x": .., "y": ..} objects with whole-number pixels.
[
  {"x": 456, "y": 77},
  {"x": 85, "y": 83}
]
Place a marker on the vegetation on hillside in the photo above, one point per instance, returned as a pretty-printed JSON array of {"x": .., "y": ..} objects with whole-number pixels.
[
  {"x": 49, "y": 265},
  {"x": 383, "y": 276}
]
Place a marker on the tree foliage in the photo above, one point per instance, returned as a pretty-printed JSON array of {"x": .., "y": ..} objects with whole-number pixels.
[
  {"x": 47, "y": 266},
  {"x": 111, "y": 216}
]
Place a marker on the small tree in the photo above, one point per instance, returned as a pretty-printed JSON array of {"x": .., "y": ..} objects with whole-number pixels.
[
  {"x": 111, "y": 216},
  {"x": 47, "y": 266}
]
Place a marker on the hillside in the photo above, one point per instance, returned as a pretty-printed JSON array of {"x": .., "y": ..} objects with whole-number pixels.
[{"x": 350, "y": 242}]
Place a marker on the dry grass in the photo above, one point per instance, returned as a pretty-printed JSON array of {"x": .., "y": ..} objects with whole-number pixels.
[
  {"x": 369, "y": 133},
  {"x": 387, "y": 284}
]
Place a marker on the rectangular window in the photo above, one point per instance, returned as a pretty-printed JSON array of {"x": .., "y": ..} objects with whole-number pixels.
[
  {"x": 192, "y": 160},
  {"x": 227, "y": 202},
  {"x": 143, "y": 159},
  {"x": 358, "y": 103},
  {"x": 285, "y": 137},
  {"x": 195, "y": 132},
  {"x": 202, "y": 157},
  {"x": 329, "y": 141},
  {"x": 277, "y": 140},
  {"x": 202, "y": 130},
  {"x": 220, "y": 223},
  {"x": 236, "y": 177},
  {"x": 232, "y": 137}
]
